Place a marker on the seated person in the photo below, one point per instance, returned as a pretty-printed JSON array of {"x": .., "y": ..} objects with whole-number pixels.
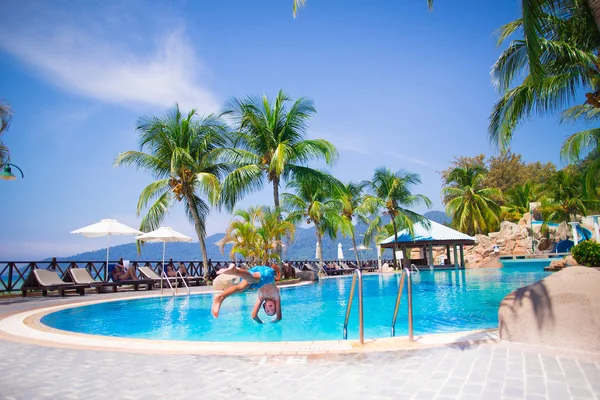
[
  {"x": 122, "y": 272},
  {"x": 172, "y": 272}
]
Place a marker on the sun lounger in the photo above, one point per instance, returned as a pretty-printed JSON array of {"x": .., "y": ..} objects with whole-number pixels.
[
  {"x": 150, "y": 274},
  {"x": 82, "y": 276},
  {"x": 346, "y": 269},
  {"x": 44, "y": 280}
]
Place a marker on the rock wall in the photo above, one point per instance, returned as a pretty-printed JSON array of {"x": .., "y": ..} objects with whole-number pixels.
[
  {"x": 562, "y": 310},
  {"x": 514, "y": 239}
]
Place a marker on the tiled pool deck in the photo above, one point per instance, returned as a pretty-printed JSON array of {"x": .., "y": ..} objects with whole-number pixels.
[{"x": 428, "y": 370}]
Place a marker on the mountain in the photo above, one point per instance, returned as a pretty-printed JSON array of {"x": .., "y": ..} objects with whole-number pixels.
[
  {"x": 303, "y": 247},
  {"x": 438, "y": 216}
]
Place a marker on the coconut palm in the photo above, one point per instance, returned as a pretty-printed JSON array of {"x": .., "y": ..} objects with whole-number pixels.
[
  {"x": 470, "y": 205},
  {"x": 352, "y": 209},
  {"x": 314, "y": 203},
  {"x": 517, "y": 200},
  {"x": 271, "y": 145},
  {"x": 565, "y": 198},
  {"x": 255, "y": 234},
  {"x": 544, "y": 75},
  {"x": 391, "y": 195},
  {"x": 180, "y": 152}
]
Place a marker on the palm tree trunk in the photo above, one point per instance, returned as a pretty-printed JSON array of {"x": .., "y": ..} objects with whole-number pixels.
[
  {"x": 395, "y": 242},
  {"x": 198, "y": 226},
  {"x": 355, "y": 249},
  {"x": 278, "y": 211},
  {"x": 594, "y": 6}
]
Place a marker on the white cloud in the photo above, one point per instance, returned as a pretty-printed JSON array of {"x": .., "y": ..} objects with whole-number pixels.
[
  {"x": 94, "y": 66},
  {"x": 349, "y": 142}
]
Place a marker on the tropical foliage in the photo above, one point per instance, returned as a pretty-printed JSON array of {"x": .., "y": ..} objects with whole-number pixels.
[
  {"x": 518, "y": 199},
  {"x": 564, "y": 198},
  {"x": 587, "y": 253},
  {"x": 314, "y": 203},
  {"x": 391, "y": 195},
  {"x": 256, "y": 234},
  {"x": 180, "y": 151},
  {"x": 352, "y": 208},
  {"x": 471, "y": 205}
]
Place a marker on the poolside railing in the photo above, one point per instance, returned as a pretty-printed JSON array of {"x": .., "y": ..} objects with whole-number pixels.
[
  {"x": 405, "y": 274},
  {"x": 14, "y": 273},
  {"x": 361, "y": 336}
]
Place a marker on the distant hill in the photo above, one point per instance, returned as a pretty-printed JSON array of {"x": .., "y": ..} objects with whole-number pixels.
[
  {"x": 303, "y": 247},
  {"x": 438, "y": 216}
]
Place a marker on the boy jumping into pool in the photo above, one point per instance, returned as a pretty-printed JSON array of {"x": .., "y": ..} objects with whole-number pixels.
[{"x": 261, "y": 278}]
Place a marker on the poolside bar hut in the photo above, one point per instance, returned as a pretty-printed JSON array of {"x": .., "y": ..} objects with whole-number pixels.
[{"x": 426, "y": 238}]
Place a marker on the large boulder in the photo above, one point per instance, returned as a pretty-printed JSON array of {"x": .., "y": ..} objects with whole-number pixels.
[
  {"x": 562, "y": 310},
  {"x": 224, "y": 281}
]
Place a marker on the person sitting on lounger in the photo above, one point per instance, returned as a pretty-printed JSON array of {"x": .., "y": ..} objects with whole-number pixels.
[
  {"x": 122, "y": 273},
  {"x": 172, "y": 272},
  {"x": 259, "y": 277}
]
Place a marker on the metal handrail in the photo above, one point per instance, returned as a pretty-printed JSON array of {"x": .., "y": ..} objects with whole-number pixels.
[
  {"x": 184, "y": 282},
  {"x": 361, "y": 335},
  {"x": 413, "y": 267},
  {"x": 405, "y": 273},
  {"x": 165, "y": 277}
]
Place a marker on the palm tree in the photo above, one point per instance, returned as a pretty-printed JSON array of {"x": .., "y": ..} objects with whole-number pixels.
[
  {"x": 564, "y": 198},
  {"x": 271, "y": 145},
  {"x": 181, "y": 152},
  {"x": 351, "y": 208},
  {"x": 471, "y": 206},
  {"x": 313, "y": 202},
  {"x": 391, "y": 193},
  {"x": 518, "y": 199},
  {"x": 255, "y": 235},
  {"x": 545, "y": 70},
  {"x": 6, "y": 114}
]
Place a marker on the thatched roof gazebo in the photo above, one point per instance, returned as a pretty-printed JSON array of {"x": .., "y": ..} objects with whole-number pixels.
[{"x": 427, "y": 237}]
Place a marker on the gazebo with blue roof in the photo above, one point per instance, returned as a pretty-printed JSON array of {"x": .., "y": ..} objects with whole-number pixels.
[{"x": 428, "y": 237}]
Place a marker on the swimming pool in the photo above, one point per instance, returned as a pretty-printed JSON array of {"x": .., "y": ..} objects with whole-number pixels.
[{"x": 443, "y": 301}]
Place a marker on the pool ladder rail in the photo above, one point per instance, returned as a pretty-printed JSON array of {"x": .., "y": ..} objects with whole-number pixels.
[
  {"x": 173, "y": 289},
  {"x": 355, "y": 274},
  {"x": 406, "y": 275}
]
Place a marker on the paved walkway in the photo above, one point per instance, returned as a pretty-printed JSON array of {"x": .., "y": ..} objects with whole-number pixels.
[{"x": 487, "y": 371}]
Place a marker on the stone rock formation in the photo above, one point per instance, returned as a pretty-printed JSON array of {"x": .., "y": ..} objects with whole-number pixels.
[{"x": 562, "y": 310}]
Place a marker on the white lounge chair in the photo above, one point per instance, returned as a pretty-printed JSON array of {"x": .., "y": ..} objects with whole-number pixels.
[{"x": 44, "y": 280}]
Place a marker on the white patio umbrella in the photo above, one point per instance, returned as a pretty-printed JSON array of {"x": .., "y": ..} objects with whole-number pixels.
[
  {"x": 164, "y": 234},
  {"x": 107, "y": 227},
  {"x": 340, "y": 252}
]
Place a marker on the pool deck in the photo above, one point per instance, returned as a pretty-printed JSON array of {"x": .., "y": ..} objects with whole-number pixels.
[{"x": 473, "y": 365}]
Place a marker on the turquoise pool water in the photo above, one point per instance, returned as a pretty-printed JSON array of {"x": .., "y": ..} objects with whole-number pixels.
[{"x": 443, "y": 301}]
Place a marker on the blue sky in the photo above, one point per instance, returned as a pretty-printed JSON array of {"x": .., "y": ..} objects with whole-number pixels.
[{"x": 393, "y": 85}]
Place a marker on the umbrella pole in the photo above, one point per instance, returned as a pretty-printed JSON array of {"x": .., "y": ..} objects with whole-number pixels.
[
  {"x": 162, "y": 276},
  {"x": 106, "y": 266}
]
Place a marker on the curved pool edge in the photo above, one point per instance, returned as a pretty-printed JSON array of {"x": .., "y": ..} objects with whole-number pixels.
[{"x": 26, "y": 326}]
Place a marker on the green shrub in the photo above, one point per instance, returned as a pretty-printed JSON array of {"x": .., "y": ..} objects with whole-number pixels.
[{"x": 587, "y": 253}]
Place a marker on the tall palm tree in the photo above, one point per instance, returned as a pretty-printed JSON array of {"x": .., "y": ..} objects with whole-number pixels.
[
  {"x": 352, "y": 208},
  {"x": 271, "y": 145},
  {"x": 181, "y": 152},
  {"x": 313, "y": 202},
  {"x": 517, "y": 200},
  {"x": 471, "y": 205},
  {"x": 565, "y": 198},
  {"x": 391, "y": 194},
  {"x": 544, "y": 70}
]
